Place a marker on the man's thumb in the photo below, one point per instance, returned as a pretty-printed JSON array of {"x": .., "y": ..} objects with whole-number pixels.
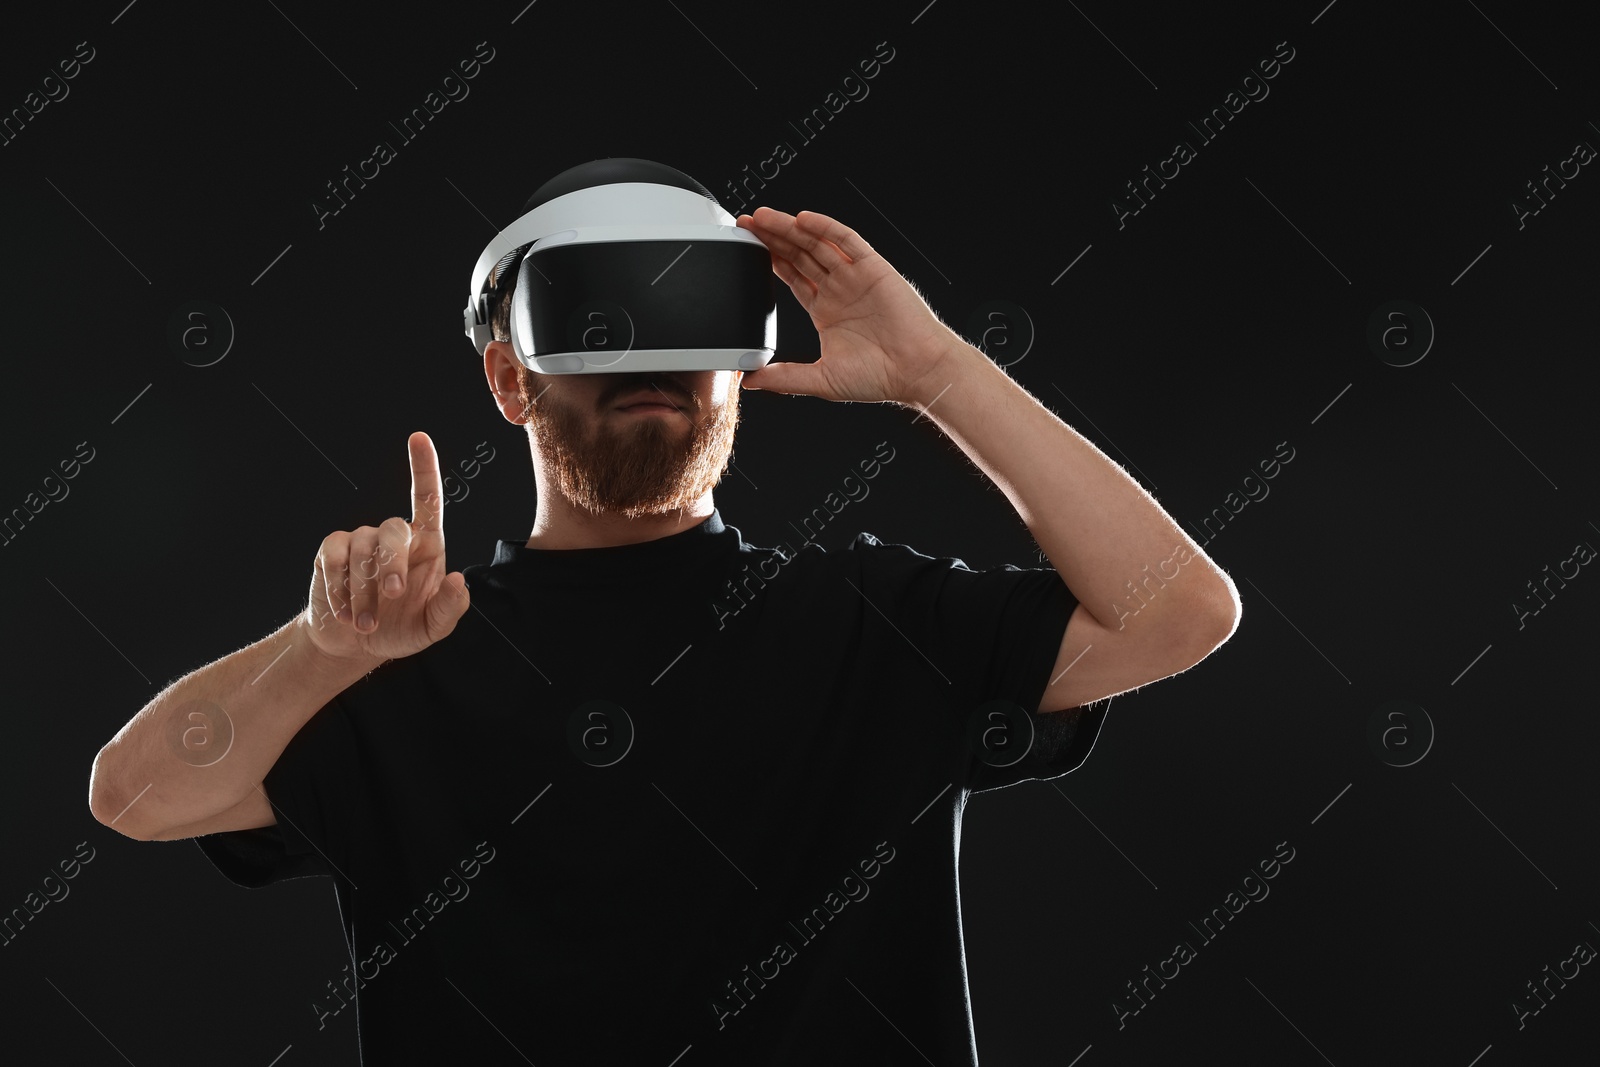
[
  {"x": 448, "y": 604},
  {"x": 784, "y": 377}
]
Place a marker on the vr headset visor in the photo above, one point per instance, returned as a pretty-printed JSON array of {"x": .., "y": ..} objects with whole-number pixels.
[{"x": 624, "y": 265}]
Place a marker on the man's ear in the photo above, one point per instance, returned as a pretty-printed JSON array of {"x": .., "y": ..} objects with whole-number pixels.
[{"x": 500, "y": 365}]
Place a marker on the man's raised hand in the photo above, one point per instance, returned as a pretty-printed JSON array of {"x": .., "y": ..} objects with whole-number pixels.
[{"x": 382, "y": 592}]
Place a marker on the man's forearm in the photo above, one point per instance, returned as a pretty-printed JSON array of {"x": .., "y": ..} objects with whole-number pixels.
[
  {"x": 1104, "y": 534},
  {"x": 204, "y": 742}
]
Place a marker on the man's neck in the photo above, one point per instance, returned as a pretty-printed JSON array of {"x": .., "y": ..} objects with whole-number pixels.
[{"x": 566, "y": 527}]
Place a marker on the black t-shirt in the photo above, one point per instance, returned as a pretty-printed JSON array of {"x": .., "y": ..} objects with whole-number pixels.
[{"x": 685, "y": 798}]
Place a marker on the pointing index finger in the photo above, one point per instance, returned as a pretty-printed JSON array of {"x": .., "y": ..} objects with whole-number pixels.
[{"x": 427, "y": 501}]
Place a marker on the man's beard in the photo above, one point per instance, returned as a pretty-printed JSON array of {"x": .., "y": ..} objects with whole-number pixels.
[{"x": 634, "y": 465}]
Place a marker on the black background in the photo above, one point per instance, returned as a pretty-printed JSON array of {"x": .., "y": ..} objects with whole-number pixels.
[{"x": 1227, "y": 316}]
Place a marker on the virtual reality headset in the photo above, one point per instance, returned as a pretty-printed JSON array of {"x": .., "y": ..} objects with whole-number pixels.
[{"x": 625, "y": 265}]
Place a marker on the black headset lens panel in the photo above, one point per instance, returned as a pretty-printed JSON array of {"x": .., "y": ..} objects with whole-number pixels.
[{"x": 640, "y": 295}]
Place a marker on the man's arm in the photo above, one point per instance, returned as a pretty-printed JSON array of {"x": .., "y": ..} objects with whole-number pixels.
[
  {"x": 150, "y": 783},
  {"x": 1150, "y": 602}
]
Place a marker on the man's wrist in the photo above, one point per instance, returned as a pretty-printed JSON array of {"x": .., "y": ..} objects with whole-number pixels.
[
  {"x": 954, "y": 362},
  {"x": 337, "y": 668}
]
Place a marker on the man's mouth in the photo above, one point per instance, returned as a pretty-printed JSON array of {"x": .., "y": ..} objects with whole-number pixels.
[{"x": 646, "y": 399}]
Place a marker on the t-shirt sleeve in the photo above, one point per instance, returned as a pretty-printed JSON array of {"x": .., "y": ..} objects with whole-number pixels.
[
  {"x": 992, "y": 636},
  {"x": 314, "y": 788}
]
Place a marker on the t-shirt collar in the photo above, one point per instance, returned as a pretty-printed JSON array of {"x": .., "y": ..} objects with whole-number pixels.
[{"x": 635, "y": 562}]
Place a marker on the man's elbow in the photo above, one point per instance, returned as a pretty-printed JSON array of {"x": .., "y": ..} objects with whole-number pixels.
[
  {"x": 1225, "y": 610},
  {"x": 107, "y": 805},
  {"x": 1208, "y": 625}
]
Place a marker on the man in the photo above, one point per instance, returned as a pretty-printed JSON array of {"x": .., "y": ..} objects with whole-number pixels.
[{"x": 663, "y": 796}]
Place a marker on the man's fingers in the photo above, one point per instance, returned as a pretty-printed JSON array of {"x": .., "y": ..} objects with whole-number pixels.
[
  {"x": 780, "y": 239},
  {"x": 824, "y": 251},
  {"x": 836, "y": 233},
  {"x": 363, "y": 575},
  {"x": 392, "y": 556},
  {"x": 803, "y": 288},
  {"x": 333, "y": 562},
  {"x": 427, "y": 498}
]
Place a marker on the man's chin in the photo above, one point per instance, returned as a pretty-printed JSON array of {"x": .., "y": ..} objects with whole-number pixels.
[
  {"x": 638, "y": 497},
  {"x": 634, "y": 466}
]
